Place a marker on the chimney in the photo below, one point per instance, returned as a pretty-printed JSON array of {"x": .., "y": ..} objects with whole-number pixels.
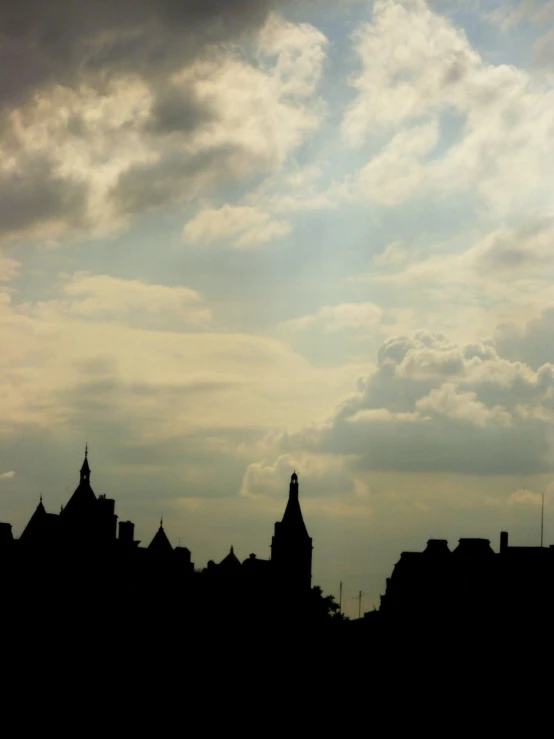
[
  {"x": 126, "y": 532},
  {"x": 503, "y": 542}
]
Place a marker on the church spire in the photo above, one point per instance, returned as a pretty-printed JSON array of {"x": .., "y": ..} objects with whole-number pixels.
[
  {"x": 293, "y": 487},
  {"x": 85, "y": 469},
  {"x": 292, "y": 519},
  {"x": 291, "y": 546}
]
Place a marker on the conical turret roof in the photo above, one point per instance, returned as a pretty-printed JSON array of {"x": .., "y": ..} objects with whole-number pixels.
[
  {"x": 83, "y": 499},
  {"x": 160, "y": 543},
  {"x": 293, "y": 520}
]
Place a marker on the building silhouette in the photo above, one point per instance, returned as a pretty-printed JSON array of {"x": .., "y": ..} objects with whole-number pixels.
[
  {"x": 291, "y": 546},
  {"x": 86, "y": 562},
  {"x": 470, "y": 584},
  {"x": 83, "y": 557}
]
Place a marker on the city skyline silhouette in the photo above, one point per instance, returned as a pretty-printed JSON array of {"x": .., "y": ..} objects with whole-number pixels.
[
  {"x": 470, "y": 583},
  {"x": 245, "y": 239}
]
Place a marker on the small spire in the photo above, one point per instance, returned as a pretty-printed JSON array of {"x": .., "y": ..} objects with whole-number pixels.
[
  {"x": 85, "y": 469},
  {"x": 41, "y": 497},
  {"x": 161, "y": 522},
  {"x": 232, "y": 550}
]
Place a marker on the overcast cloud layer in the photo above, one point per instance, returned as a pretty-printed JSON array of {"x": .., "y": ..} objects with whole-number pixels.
[{"x": 245, "y": 237}]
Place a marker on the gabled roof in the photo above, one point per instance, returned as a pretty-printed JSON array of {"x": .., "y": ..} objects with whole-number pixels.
[{"x": 160, "y": 543}]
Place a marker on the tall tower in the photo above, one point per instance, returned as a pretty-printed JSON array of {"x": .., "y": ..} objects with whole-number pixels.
[
  {"x": 291, "y": 546},
  {"x": 82, "y": 504},
  {"x": 87, "y": 519}
]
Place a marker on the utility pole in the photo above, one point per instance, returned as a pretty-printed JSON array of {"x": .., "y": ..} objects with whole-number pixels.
[
  {"x": 359, "y": 599},
  {"x": 542, "y": 519}
]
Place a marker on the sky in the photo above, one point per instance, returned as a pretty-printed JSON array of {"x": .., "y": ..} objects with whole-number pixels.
[{"x": 242, "y": 238}]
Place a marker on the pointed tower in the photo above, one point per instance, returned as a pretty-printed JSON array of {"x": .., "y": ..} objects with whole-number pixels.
[
  {"x": 291, "y": 546},
  {"x": 83, "y": 500},
  {"x": 160, "y": 546},
  {"x": 86, "y": 519},
  {"x": 41, "y": 528},
  {"x": 85, "y": 469}
]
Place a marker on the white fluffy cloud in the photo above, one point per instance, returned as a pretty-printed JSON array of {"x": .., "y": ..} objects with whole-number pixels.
[
  {"x": 84, "y": 158},
  {"x": 319, "y": 476},
  {"x": 243, "y": 226},
  {"x": 383, "y": 415},
  {"x": 474, "y": 283},
  {"x": 433, "y": 405},
  {"x": 450, "y": 402},
  {"x": 395, "y": 174},
  {"x": 419, "y": 70},
  {"x": 300, "y": 53}
]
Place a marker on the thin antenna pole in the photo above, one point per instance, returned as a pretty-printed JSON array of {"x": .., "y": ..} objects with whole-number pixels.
[
  {"x": 542, "y": 519},
  {"x": 340, "y": 598},
  {"x": 359, "y": 599}
]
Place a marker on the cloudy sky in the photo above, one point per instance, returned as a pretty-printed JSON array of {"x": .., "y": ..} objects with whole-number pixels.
[{"x": 245, "y": 237}]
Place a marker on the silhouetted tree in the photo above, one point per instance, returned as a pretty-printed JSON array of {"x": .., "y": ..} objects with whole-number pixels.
[{"x": 324, "y": 608}]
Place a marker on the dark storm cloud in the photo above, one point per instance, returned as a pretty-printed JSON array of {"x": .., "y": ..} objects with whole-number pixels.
[
  {"x": 64, "y": 40},
  {"x": 33, "y": 193},
  {"x": 178, "y": 110},
  {"x": 172, "y": 176},
  {"x": 108, "y": 92}
]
